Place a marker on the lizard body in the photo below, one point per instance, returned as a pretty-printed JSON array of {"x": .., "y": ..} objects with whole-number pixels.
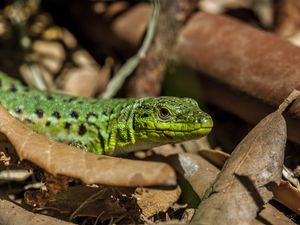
[{"x": 112, "y": 126}]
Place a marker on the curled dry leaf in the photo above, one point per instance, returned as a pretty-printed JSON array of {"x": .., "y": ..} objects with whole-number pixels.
[
  {"x": 287, "y": 14},
  {"x": 290, "y": 176},
  {"x": 57, "y": 158},
  {"x": 270, "y": 215},
  {"x": 95, "y": 78},
  {"x": 287, "y": 194},
  {"x": 122, "y": 25},
  {"x": 240, "y": 191},
  {"x": 205, "y": 176},
  {"x": 11, "y": 214},
  {"x": 245, "y": 60},
  {"x": 196, "y": 170}
]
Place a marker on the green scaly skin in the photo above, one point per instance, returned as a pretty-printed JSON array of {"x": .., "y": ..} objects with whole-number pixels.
[{"x": 113, "y": 126}]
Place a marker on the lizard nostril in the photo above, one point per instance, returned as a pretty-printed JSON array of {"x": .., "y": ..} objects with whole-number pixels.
[
  {"x": 206, "y": 121},
  {"x": 203, "y": 119}
]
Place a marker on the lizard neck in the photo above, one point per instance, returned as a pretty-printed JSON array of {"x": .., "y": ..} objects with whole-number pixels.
[
  {"x": 123, "y": 137},
  {"x": 121, "y": 134}
]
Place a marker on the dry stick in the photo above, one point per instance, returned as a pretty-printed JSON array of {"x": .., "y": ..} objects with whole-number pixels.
[
  {"x": 98, "y": 217},
  {"x": 116, "y": 83},
  {"x": 88, "y": 200},
  {"x": 147, "y": 79},
  {"x": 15, "y": 175},
  {"x": 292, "y": 97}
]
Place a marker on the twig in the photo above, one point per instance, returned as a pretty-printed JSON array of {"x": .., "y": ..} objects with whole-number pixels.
[
  {"x": 89, "y": 200},
  {"x": 292, "y": 97},
  {"x": 15, "y": 175},
  {"x": 117, "y": 81}
]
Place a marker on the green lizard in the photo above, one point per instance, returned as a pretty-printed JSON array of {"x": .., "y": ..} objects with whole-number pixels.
[{"x": 112, "y": 126}]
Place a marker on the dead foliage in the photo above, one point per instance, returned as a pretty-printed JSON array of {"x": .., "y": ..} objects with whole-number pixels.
[{"x": 77, "y": 47}]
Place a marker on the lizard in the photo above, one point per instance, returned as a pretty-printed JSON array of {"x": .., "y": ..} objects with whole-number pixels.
[{"x": 105, "y": 126}]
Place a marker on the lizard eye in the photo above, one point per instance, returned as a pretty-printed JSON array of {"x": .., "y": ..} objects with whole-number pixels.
[{"x": 164, "y": 113}]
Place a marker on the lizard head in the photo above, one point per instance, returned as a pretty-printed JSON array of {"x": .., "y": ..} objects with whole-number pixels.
[{"x": 170, "y": 120}]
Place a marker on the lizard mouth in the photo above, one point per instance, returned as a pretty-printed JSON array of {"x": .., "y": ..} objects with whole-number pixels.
[
  {"x": 168, "y": 136},
  {"x": 173, "y": 134},
  {"x": 189, "y": 128},
  {"x": 180, "y": 131}
]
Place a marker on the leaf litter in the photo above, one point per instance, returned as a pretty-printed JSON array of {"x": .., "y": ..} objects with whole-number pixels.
[
  {"x": 262, "y": 137},
  {"x": 67, "y": 166},
  {"x": 287, "y": 192},
  {"x": 187, "y": 162},
  {"x": 90, "y": 208},
  {"x": 208, "y": 173},
  {"x": 240, "y": 191}
]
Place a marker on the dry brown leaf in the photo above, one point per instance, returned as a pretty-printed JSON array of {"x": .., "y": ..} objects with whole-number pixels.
[
  {"x": 11, "y": 214},
  {"x": 206, "y": 175},
  {"x": 269, "y": 215},
  {"x": 196, "y": 170},
  {"x": 262, "y": 8},
  {"x": 217, "y": 157},
  {"x": 123, "y": 24},
  {"x": 84, "y": 201},
  {"x": 153, "y": 201},
  {"x": 168, "y": 150},
  {"x": 247, "y": 83},
  {"x": 172, "y": 222},
  {"x": 95, "y": 78},
  {"x": 73, "y": 85},
  {"x": 191, "y": 146},
  {"x": 57, "y": 158},
  {"x": 287, "y": 20},
  {"x": 239, "y": 191},
  {"x": 287, "y": 194},
  {"x": 103, "y": 203}
]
